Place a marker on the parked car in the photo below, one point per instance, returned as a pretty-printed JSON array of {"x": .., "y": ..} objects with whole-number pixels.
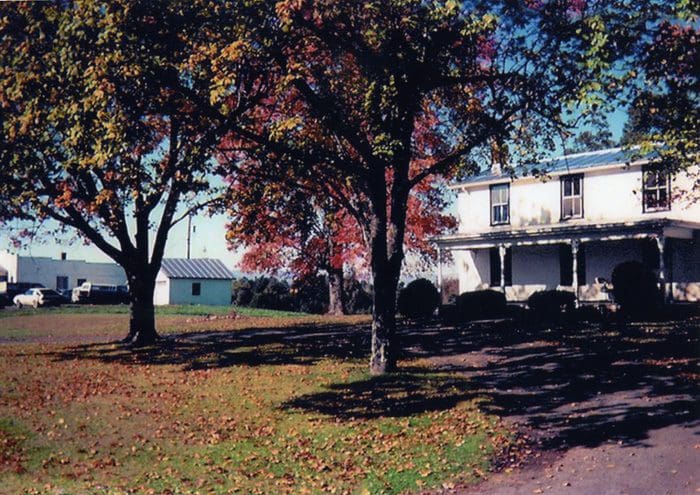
[
  {"x": 4, "y": 300},
  {"x": 66, "y": 294},
  {"x": 38, "y": 297},
  {"x": 100, "y": 294},
  {"x": 14, "y": 288}
]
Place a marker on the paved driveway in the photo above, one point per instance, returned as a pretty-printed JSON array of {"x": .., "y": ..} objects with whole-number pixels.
[{"x": 606, "y": 410}]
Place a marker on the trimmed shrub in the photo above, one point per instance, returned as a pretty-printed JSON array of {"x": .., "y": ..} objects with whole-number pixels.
[
  {"x": 480, "y": 305},
  {"x": 448, "y": 313},
  {"x": 517, "y": 313},
  {"x": 262, "y": 292},
  {"x": 418, "y": 299},
  {"x": 272, "y": 293},
  {"x": 242, "y": 292},
  {"x": 549, "y": 304},
  {"x": 635, "y": 289}
]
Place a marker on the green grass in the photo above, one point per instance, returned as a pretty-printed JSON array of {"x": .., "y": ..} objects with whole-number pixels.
[
  {"x": 234, "y": 429},
  {"x": 102, "y": 419},
  {"x": 181, "y": 309}
]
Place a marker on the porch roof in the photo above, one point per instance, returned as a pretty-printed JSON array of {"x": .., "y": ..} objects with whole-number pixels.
[{"x": 566, "y": 232}]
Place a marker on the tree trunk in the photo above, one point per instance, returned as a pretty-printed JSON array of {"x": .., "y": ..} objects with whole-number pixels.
[
  {"x": 385, "y": 232},
  {"x": 336, "y": 296},
  {"x": 384, "y": 346},
  {"x": 142, "y": 324}
]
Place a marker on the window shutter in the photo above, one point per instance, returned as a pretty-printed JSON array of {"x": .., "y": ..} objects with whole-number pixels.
[
  {"x": 508, "y": 266},
  {"x": 581, "y": 264},
  {"x": 495, "y": 262},
  {"x": 566, "y": 265}
]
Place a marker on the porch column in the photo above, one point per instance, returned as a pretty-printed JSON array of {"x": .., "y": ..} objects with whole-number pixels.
[
  {"x": 502, "y": 255},
  {"x": 574, "y": 268},
  {"x": 660, "y": 243},
  {"x": 439, "y": 271}
]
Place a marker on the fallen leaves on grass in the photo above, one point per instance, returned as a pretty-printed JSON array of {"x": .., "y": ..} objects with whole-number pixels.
[
  {"x": 167, "y": 428},
  {"x": 11, "y": 452}
]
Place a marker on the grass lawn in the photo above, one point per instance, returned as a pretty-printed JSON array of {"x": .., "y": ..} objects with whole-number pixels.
[
  {"x": 175, "y": 309},
  {"x": 83, "y": 323},
  {"x": 262, "y": 416}
]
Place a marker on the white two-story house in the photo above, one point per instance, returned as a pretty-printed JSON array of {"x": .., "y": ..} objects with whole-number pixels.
[{"x": 571, "y": 228}]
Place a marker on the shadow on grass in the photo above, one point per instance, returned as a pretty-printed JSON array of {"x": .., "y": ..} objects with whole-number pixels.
[
  {"x": 303, "y": 344},
  {"x": 400, "y": 394},
  {"x": 579, "y": 385}
]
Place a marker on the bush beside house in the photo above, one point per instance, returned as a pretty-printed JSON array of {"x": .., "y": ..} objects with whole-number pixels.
[
  {"x": 480, "y": 305},
  {"x": 418, "y": 299},
  {"x": 548, "y": 305},
  {"x": 635, "y": 289}
]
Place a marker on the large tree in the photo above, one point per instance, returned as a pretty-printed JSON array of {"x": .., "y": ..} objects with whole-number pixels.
[
  {"x": 664, "y": 97},
  {"x": 599, "y": 139},
  {"x": 373, "y": 98},
  {"x": 100, "y": 128},
  {"x": 297, "y": 228},
  {"x": 293, "y": 232}
]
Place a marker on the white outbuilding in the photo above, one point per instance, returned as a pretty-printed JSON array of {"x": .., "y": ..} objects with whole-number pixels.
[
  {"x": 193, "y": 281},
  {"x": 59, "y": 274}
]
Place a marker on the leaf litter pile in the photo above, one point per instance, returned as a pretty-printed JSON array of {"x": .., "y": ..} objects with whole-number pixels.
[{"x": 84, "y": 425}]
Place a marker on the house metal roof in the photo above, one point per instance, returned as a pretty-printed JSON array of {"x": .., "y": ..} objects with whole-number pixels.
[
  {"x": 204, "y": 268},
  {"x": 565, "y": 163}
]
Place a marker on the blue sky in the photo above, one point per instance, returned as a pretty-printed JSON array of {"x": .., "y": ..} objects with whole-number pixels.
[{"x": 207, "y": 242}]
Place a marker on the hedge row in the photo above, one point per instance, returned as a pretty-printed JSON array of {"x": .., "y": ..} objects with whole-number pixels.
[{"x": 309, "y": 295}]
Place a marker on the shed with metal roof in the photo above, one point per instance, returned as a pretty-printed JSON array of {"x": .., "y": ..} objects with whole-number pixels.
[{"x": 193, "y": 281}]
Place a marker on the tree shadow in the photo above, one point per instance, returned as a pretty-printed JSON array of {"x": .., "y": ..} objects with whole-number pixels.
[
  {"x": 401, "y": 394},
  {"x": 582, "y": 384},
  {"x": 303, "y": 344}
]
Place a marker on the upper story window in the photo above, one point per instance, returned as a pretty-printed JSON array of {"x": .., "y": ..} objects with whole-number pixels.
[
  {"x": 572, "y": 196},
  {"x": 656, "y": 189},
  {"x": 500, "y": 204}
]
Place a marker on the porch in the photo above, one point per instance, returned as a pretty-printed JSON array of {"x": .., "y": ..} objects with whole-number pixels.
[{"x": 574, "y": 257}]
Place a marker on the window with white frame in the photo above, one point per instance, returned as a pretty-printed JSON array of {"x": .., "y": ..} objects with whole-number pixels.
[
  {"x": 500, "y": 204},
  {"x": 572, "y": 196},
  {"x": 656, "y": 189}
]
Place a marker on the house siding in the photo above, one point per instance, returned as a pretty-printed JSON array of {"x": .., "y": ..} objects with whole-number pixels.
[
  {"x": 612, "y": 194},
  {"x": 213, "y": 292},
  {"x": 44, "y": 271},
  {"x": 685, "y": 266},
  {"x": 161, "y": 294},
  {"x": 612, "y": 199}
]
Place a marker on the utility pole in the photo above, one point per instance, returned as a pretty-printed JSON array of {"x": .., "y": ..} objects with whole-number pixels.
[{"x": 189, "y": 232}]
